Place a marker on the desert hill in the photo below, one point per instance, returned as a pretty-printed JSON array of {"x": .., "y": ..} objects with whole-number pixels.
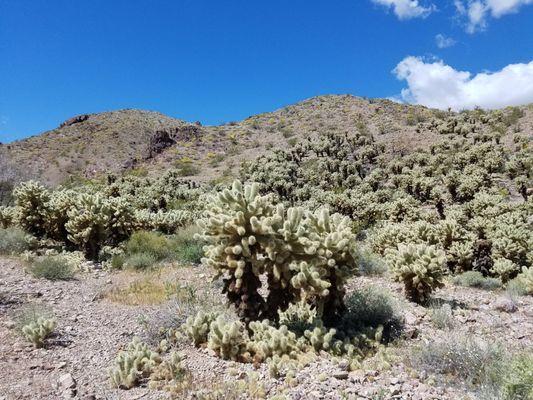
[{"x": 149, "y": 142}]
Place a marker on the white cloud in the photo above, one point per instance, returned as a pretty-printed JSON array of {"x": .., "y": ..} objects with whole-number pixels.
[
  {"x": 406, "y": 9},
  {"x": 435, "y": 84},
  {"x": 444, "y": 41},
  {"x": 478, "y": 11}
]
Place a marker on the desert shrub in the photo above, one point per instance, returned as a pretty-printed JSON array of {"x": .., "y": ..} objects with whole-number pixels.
[
  {"x": 517, "y": 378},
  {"x": 148, "y": 243},
  {"x": 117, "y": 261},
  {"x": 52, "y": 268},
  {"x": 14, "y": 241},
  {"x": 188, "y": 169},
  {"x": 419, "y": 267},
  {"x": 186, "y": 247},
  {"x": 468, "y": 359},
  {"x": 523, "y": 284},
  {"x": 369, "y": 263},
  {"x": 141, "y": 261},
  {"x": 372, "y": 307},
  {"x": 442, "y": 316},
  {"x": 477, "y": 280}
]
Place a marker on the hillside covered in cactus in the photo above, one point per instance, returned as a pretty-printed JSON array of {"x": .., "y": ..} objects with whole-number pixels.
[
  {"x": 338, "y": 248},
  {"x": 127, "y": 140}
]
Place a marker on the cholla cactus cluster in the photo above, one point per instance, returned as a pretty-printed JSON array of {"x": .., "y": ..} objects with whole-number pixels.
[
  {"x": 90, "y": 218},
  {"x": 139, "y": 364},
  {"x": 282, "y": 348},
  {"x": 38, "y": 331},
  {"x": 303, "y": 255},
  {"x": 197, "y": 327},
  {"x": 419, "y": 267}
]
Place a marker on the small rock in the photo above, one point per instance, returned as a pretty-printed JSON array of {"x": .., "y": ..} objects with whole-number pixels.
[
  {"x": 395, "y": 391},
  {"x": 505, "y": 305},
  {"x": 340, "y": 375},
  {"x": 410, "y": 318},
  {"x": 343, "y": 365},
  {"x": 66, "y": 381}
]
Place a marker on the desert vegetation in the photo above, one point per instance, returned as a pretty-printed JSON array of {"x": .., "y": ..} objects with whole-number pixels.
[{"x": 342, "y": 262}]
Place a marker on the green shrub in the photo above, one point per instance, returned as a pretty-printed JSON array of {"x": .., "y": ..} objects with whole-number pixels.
[
  {"x": 186, "y": 247},
  {"x": 517, "y": 287},
  {"x": 465, "y": 358},
  {"x": 442, "y": 316},
  {"x": 369, "y": 263},
  {"x": 52, "y": 268},
  {"x": 117, "y": 261},
  {"x": 372, "y": 307},
  {"x": 14, "y": 241},
  {"x": 148, "y": 243},
  {"x": 141, "y": 261},
  {"x": 477, "y": 280},
  {"x": 517, "y": 381}
]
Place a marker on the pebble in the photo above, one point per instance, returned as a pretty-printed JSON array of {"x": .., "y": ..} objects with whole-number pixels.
[{"x": 340, "y": 375}]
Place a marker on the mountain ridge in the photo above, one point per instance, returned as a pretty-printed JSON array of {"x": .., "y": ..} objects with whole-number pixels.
[{"x": 88, "y": 145}]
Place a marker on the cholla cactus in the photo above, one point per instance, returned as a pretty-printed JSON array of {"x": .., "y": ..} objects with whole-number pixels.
[
  {"x": 526, "y": 279},
  {"x": 283, "y": 365},
  {"x": 299, "y": 317},
  {"x": 460, "y": 256},
  {"x": 227, "y": 339},
  {"x": 505, "y": 269},
  {"x": 88, "y": 224},
  {"x": 511, "y": 237},
  {"x": 421, "y": 268},
  {"x": 7, "y": 216},
  {"x": 321, "y": 338},
  {"x": 304, "y": 255},
  {"x": 31, "y": 199},
  {"x": 163, "y": 221},
  {"x": 197, "y": 327},
  {"x": 267, "y": 341},
  {"x": 133, "y": 365},
  {"x": 37, "y": 331},
  {"x": 58, "y": 206},
  {"x": 171, "y": 374},
  {"x": 95, "y": 221}
]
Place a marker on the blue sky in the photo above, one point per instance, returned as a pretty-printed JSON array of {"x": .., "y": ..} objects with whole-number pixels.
[{"x": 218, "y": 61}]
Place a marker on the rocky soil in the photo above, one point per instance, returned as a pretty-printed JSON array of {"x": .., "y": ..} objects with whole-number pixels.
[{"x": 92, "y": 329}]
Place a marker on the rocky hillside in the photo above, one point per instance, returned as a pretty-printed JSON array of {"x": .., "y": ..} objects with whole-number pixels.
[{"x": 148, "y": 142}]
